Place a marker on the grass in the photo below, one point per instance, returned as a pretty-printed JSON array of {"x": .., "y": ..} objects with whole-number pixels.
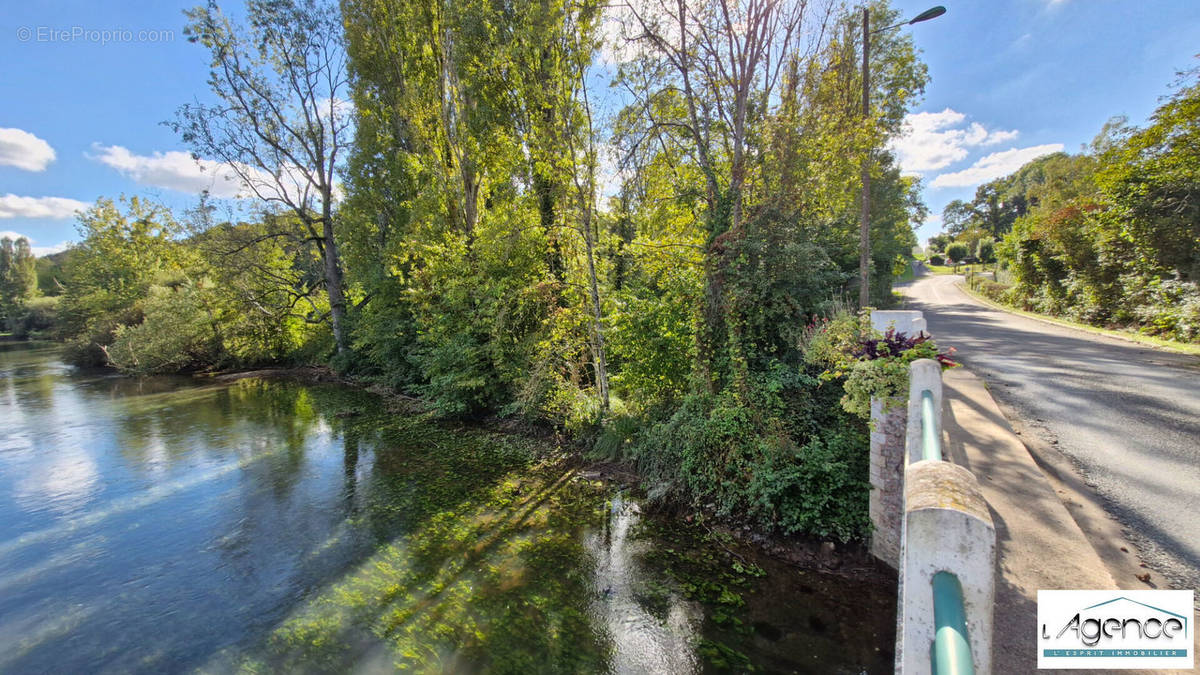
[
  {"x": 1149, "y": 340},
  {"x": 940, "y": 269},
  {"x": 905, "y": 276}
]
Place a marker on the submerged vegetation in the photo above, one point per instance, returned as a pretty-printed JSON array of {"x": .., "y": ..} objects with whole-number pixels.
[
  {"x": 250, "y": 524},
  {"x": 435, "y": 202}
]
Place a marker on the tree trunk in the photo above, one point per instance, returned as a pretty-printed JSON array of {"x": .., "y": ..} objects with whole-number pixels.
[
  {"x": 597, "y": 329},
  {"x": 333, "y": 286}
]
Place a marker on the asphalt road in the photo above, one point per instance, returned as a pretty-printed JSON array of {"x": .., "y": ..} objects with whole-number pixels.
[{"x": 1128, "y": 416}]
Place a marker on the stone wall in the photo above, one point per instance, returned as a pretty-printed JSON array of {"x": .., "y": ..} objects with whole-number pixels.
[
  {"x": 888, "y": 431},
  {"x": 887, "y": 452}
]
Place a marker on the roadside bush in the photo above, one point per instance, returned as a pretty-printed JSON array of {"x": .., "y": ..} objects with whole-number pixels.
[
  {"x": 783, "y": 456},
  {"x": 937, "y": 259},
  {"x": 817, "y": 488},
  {"x": 1166, "y": 307},
  {"x": 992, "y": 290},
  {"x": 985, "y": 251}
]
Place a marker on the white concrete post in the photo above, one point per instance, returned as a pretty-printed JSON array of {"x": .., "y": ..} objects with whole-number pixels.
[
  {"x": 947, "y": 527},
  {"x": 902, "y": 319}
]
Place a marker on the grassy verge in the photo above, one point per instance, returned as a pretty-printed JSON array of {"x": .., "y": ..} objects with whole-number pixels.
[
  {"x": 905, "y": 276},
  {"x": 1148, "y": 340},
  {"x": 940, "y": 269}
]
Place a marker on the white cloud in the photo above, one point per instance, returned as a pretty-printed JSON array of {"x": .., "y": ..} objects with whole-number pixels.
[
  {"x": 37, "y": 250},
  {"x": 14, "y": 206},
  {"x": 176, "y": 170},
  {"x": 340, "y": 108},
  {"x": 615, "y": 47},
  {"x": 995, "y": 165},
  {"x": 935, "y": 140},
  {"x": 173, "y": 170},
  {"x": 24, "y": 150}
]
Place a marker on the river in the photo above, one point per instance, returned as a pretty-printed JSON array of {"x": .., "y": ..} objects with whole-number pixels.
[{"x": 177, "y": 524}]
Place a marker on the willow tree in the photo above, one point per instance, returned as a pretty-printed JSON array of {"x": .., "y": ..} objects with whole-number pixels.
[{"x": 280, "y": 124}]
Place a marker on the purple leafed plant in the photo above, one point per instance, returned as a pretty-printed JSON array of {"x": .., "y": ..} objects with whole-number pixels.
[
  {"x": 891, "y": 344},
  {"x": 894, "y": 343}
]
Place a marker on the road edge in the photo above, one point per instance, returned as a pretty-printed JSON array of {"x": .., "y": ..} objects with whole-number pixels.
[
  {"x": 1102, "y": 530},
  {"x": 1090, "y": 330}
]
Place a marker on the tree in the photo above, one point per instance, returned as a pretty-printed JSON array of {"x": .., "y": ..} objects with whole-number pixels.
[
  {"x": 281, "y": 125},
  {"x": 703, "y": 75},
  {"x": 957, "y": 216},
  {"x": 18, "y": 276},
  {"x": 985, "y": 250},
  {"x": 122, "y": 252},
  {"x": 1153, "y": 179},
  {"x": 579, "y": 136},
  {"x": 957, "y": 252}
]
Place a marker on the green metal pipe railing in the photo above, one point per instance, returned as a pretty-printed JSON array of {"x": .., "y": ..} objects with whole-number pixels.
[
  {"x": 951, "y": 650},
  {"x": 931, "y": 437}
]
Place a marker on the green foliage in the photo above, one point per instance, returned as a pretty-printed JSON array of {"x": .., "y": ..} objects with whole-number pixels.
[
  {"x": 1108, "y": 237},
  {"x": 18, "y": 279},
  {"x": 985, "y": 251},
  {"x": 991, "y": 290},
  {"x": 178, "y": 332},
  {"x": 1152, "y": 178},
  {"x": 50, "y": 273},
  {"x": 957, "y": 252},
  {"x": 470, "y": 263},
  {"x": 120, "y": 255},
  {"x": 789, "y": 461},
  {"x": 839, "y": 347},
  {"x": 817, "y": 488},
  {"x": 38, "y": 317}
]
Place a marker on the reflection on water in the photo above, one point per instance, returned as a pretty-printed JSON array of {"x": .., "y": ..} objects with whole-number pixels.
[
  {"x": 171, "y": 524},
  {"x": 642, "y": 641}
]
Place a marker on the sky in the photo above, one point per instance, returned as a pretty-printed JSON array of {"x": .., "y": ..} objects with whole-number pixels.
[{"x": 87, "y": 86}]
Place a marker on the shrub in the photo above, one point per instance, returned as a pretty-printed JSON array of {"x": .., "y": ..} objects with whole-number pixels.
[
  {"x": 936, "y": 259},
  {"x": 36, "y": 317},
  {"x": 985, "y": 251},
  {"x": 957, "y": 252},
  {"x": 992, "y": 290},
  {"x": 781, "y": 455},
  {"x": 818, "y": 488},
  {"x": 177, "y": 334}
]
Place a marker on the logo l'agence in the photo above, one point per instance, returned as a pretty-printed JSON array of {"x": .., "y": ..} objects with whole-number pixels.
[{"x": 1115, "y": 629}]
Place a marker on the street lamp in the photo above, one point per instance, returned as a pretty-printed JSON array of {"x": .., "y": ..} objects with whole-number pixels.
[{"x": 864, "y": 235}]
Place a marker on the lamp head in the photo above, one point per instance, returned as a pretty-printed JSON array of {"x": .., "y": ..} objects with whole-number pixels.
[{"x": 928, "y": 14}]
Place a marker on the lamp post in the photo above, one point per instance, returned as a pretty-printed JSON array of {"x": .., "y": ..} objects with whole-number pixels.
[{"x": 864, "y": 221}]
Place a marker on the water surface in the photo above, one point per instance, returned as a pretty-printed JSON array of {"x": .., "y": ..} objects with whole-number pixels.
[{"x": 180, "y": 525}]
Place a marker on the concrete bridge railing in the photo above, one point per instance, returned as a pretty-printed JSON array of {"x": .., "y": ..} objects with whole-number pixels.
[{"x": 947, "y": 542}]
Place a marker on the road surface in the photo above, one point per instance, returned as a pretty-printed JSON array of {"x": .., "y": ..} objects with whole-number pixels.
[{"x": 1127, "y": 415}]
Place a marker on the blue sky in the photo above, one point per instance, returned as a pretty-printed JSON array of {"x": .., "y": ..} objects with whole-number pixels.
[{"x": 1010, "y": 79}]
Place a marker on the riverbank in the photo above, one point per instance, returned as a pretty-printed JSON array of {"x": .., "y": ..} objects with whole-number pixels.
[
  {"x": 325, "y": 529},
  {"x": 850, "y": 560}
]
